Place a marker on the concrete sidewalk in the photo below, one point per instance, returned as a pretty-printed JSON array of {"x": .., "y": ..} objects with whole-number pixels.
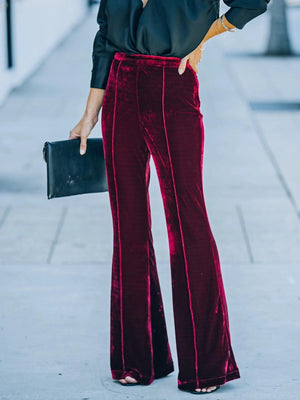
[{"x": 55, "y": 256}]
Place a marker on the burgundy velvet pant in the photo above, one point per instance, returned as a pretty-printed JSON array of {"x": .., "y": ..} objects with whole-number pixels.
[{"x": 149, "y": 109}]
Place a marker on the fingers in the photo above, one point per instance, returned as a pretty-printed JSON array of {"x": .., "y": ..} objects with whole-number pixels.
[
  {"x": 83, "y": 143},
  {"x": 81, "y": 132},
  {"x": 193, "y": 62},
  {"x": 194, "y": 65},
  {"x": 182, "y": 65},
  {"x": 192, "y": 58},
  {"x": 72, "y": 134}
]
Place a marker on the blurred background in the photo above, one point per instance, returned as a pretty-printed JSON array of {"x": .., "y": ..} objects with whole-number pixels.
[{"x": 55, "y": 255}]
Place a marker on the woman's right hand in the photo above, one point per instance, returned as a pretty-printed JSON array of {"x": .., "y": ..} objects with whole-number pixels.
[
  {"x": 89, "y": 119},
  {"x": 82, "y": 131}
]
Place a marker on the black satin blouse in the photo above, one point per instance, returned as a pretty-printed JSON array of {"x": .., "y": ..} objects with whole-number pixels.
[{"x": 163, "y": 27}]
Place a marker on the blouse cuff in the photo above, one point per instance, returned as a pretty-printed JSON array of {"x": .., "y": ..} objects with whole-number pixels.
[
  {"x": 100, "y": 70},
  {"x": 239, "y": 17}
]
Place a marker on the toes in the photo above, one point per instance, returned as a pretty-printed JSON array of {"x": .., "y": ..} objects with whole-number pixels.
[
  {"x": 127, "y": 379},
  {"x": 207, "y": 390},
  {"x": 130, "y": 379}
]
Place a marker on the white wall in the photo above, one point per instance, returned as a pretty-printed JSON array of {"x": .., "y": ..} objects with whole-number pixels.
[{"x": 38, "y": 25}]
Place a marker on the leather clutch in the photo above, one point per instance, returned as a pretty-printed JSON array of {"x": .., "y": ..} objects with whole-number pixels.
[{"x": 69, "y": 173}]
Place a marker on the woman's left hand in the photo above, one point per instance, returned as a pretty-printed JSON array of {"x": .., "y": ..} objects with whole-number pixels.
[{"x": 193, "y": 58}]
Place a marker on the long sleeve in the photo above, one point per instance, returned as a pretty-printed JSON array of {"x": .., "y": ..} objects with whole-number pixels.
[
  {"x": 243, "y": 11},
  {"x": 101, "y": 56}
]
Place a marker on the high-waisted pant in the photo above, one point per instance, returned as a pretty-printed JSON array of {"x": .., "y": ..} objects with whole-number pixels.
[{"x": 150, "y": 109}]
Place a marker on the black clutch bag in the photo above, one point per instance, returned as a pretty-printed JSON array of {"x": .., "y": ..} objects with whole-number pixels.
[{"x": 70, "y": 173}]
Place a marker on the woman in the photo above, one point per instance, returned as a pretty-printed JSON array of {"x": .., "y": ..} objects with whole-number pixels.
[{"x": 144, "y": 77}]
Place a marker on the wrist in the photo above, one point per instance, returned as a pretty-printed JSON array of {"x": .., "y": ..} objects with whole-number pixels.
[
  {"x": 226, "y": 24},
  {"x": 215, "y": 29},
  {"x": 90, "y": 116},
  {"x": 219, "y": 26}
]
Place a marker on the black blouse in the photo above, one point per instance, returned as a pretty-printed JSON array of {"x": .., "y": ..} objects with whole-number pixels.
[{"x": 163, "y": 27}]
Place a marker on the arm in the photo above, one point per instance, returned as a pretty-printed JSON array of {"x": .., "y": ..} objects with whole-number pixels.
[
  {"x": 239, "y": 13},
  {"x": 102, "y": 60},
  {"x": 89, "y": 119}
]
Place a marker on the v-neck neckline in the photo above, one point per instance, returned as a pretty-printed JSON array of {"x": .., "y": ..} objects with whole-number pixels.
[{"x": 144, "y": 6}]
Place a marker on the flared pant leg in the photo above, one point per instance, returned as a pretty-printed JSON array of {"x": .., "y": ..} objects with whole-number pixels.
[
  {"x": 169, "y": 107},
  {"x": 139, "y": 344},
  {"x": 150, "y": 108}
]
